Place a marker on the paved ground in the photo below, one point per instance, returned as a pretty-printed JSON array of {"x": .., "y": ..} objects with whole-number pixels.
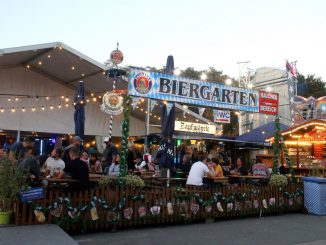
[
  {"x": 286, "y": 229},
  {"x": 34, "y": 235}
]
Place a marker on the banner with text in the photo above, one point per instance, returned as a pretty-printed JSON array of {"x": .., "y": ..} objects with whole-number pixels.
[
  {"x": 169, "y": 87},
  {"x": 194, "y": 127},
  {"x": 221, "y": 116}
]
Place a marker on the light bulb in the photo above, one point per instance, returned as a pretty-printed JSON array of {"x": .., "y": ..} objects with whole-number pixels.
[
  {"x": 66, "y": 105},
  {"x": 43, "y": 108},
  {"x": 2, "y": 110},
  {"x": 47, "y": 97},
  {"x": 13, "y": 109},
  {"x": 33, "y": 109},
  {"x": 59, "y": 106},
  {"x": 23, "y": 109},
  {"x": 51, "y": 107}
]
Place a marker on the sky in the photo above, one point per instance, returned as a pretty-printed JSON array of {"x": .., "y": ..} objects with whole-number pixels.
[{"x": 198, "y": 33}]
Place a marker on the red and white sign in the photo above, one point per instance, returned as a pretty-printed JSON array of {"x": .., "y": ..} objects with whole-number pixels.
[
  {"x": 268, "y": 103},
  {"x": 221, "y": 116}
]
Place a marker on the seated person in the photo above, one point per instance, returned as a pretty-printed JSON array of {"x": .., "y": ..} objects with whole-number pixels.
[
  {"x": 259, "y": 169},
  {"x": 185, "y": 165},
  {"x": 198, "y": 171},
  {"x": 55, "y": 162},
  {"x": 226, "y": 166},
  {"x": 95, "y": 164},
  {"x": 77, "y": 169},
  {"x": 114, "y": 169},
  {"x": 84, "y": 157},
  {"x": 241, "y": 169},
  {"x": 29, "y": 165},
  {"x": 218, "y": 167},
  {"x": 147, "y": 163}
]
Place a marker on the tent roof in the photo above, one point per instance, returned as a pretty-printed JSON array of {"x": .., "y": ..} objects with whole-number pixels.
[
  {"x": 58, "y": 62},
  {"x": 260, "y": 134}
]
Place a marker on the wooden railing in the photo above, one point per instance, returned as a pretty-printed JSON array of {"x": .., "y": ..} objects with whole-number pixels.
[{"x": 113, "y": 203}]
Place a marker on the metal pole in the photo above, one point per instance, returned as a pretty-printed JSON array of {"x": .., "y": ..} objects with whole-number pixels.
[
  {"x": 147, "y": 124},
  {"x": 18, "y": 136}
]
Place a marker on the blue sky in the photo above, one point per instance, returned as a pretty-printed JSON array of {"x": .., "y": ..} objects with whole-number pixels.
[{"x": 197, "y": 33}]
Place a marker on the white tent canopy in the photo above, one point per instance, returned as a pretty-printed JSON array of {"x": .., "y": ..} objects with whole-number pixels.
[{"x": 33, "y": 73}]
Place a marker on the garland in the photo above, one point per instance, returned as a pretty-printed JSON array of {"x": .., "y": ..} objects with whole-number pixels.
[{"x": 125, "y": 135}]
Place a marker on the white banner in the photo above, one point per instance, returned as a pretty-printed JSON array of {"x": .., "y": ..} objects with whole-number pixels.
[
  {"x": 221, "y": 116},
  {"x": 194, "y": 127}
]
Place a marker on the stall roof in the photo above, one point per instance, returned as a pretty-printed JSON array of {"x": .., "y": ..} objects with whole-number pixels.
[
  {"x": 260, "y": 134},
  {"x": 58, "y": 62}
]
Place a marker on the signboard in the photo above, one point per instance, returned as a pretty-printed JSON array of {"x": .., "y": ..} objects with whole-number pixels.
[
  {"x": 268, "y": 103},
  {"x": 173, "y": 88},
  {"x": 116, "y": 57},
  {"x": 32, "y": 194},
  {"x": 194, "y": 127},
  {"x": 221, "y": 116},
  {"x": 112, "y": 103}
]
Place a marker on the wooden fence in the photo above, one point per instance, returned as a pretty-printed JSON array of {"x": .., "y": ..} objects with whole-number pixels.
[{"x": 118, "y": 207}]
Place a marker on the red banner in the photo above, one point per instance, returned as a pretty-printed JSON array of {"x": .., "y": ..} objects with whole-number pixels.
[{"x": 268, "y": 103}]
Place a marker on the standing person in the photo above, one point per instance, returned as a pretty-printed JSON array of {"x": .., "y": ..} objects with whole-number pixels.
[
  {"x": 54, "y": 161},
  {"x": 198, "y": 171},
  {"x": 241, "y": 169},
  {"x": 109, "y": 155},
  {"x": 77, "y": 169},
  {"x": 84, "y": 157},
  {"x": 131, "y": 158},
  {"x": 77, "y": 143},
  {"x": 147, "y": 162},
  {"x": 194, "y": 157},
  {"x": 18, "y": 149},
  {"x": 185, "y": 165},
  {"x": 29, "y": 165}
]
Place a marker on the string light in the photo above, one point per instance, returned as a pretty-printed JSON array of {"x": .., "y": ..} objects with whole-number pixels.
[
  {"x": 43, "y": 108},
  {"x": 62, "y": 97},
  {"x": 87, "y": 100},
  {"x": 51, "y": 107},
  {"x": 67, "y": 99},
  {"x": 47, "y": 98},
  {"x": 9, "y": 99},
  {"x": 13, "y": 109},
  {"x": 39, "y": 63},
  {"x": 72, "y": 68},
  {"x": 16, "y": 99},
  {"x": 49, "y": 56},
  {"x": 66, "y": 105},
  {"x": 33, "y": 109},
  {"x": 23, "y": 109},
  {"x": 83, "y": 74},
  {"x": 94, "y": 99},
  {"x": 59, "y": 106},
  {"x": 92, "y": 94},
  {"x": 2, "y": 110},
  {"x": 28, "y": 66}
]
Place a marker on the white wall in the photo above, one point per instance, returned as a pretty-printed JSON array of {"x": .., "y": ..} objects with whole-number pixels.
[{"x": 20, "y": 80}]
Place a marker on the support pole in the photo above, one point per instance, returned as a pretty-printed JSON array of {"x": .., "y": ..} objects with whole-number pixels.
[{"x": 147, "y": 124}]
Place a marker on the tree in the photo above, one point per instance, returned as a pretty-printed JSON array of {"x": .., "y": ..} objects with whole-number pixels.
[
  {"x": 191, "y": 73},
  {"x": 311, "y": 86}
]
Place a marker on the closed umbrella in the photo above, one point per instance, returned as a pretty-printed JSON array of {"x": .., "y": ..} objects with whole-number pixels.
[{"x": 79, "y": 115}]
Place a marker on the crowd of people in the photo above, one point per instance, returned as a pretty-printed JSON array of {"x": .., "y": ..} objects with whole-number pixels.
[{"x": 77, "y": 163}]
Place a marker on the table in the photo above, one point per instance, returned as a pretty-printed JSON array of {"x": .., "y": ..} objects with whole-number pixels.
[
  {"x": 248, "y": 177},
  {"x": 59, "y": 180}
]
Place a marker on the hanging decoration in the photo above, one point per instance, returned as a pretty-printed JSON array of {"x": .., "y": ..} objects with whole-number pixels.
[
  {"x": 169, "y": 208},
  {"x": 116, "y": 56},
  {"x": 56, "y": 212},
  {"x": 155, "y": 210},
  {"x": 272, "y": 201},
  {"x": 194, "y": 208},
  {"x": 142, "y": 211},
  {"x": 127, "y": 213},
  {"x": 152, "y": 105},
  {"x": 169, "y": 107},
  {"x": 125, "y": 135},
  {"x": 135, "y": 101},
  {"x": 265, "y": 204},
  {"x": 201, "y": 111},
  {"x": 229, "y": 207},
  {"x": 94, "y": 214},
  {"x": 256, "y": 204},
  {"x": 219, "y": 207},
  {"x": 208, "y": 209},
  {"x": 40, "y": 217},
  {"x": 111, "y": 216}
]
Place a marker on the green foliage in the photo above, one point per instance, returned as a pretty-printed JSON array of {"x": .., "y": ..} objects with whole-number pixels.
[
  {"x": 278, "y": 180},
  {"x": 191, "y": 73},
  {"x": 130, "y": 180},
  {"x": 11, "y": 182},
  {"x": 311, "y": 86}
]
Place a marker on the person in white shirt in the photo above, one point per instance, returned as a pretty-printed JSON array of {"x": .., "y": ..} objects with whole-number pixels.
[
  {"x": 198, "y": 171},
  {"x": 114, "y": 169},
  {"x": 54, "y": 162}
]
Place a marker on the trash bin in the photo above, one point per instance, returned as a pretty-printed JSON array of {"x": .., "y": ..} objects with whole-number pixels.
[{"x": 315, "y": 195}]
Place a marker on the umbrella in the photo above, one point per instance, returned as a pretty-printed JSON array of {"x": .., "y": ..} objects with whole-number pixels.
[
  {"x": 79, "y": 115},
  {"x": 169, "y": 65}
]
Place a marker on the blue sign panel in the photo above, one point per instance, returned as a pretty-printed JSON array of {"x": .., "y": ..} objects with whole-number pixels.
[
  {"x": 173, "y": 88},
  {"x": 32, "y": 194}
]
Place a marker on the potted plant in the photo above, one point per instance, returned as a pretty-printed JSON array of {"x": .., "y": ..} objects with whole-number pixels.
[{"x": 11, "y": 182}]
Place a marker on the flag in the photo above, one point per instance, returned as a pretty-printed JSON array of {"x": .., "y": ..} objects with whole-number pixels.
[
  {"x": 201, "y": 111},
  {"x": 153, "y": 104},
  {"x": 292, "y": 81},
  {"x": 135, "y": 101}
]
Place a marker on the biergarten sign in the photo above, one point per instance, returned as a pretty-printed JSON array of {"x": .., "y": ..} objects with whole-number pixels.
[
  {"x": 194, "y": 127},
  {"x": 173, "y": 88}
]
